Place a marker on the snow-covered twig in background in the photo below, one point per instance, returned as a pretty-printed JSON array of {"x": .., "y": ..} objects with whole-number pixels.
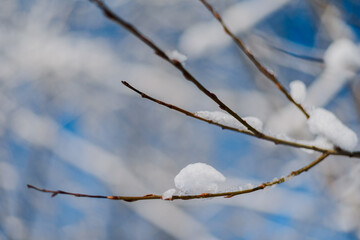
[
  {"x": 268, "y": 74},
  {"x": 189, "y": 197},
  {"x": 178, "y": 65},
  {"x": 342, "y": 62},
  {"x": 204, "y": 37}
]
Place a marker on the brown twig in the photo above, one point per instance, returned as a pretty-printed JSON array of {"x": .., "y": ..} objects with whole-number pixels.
[
  {"x": 252, "y": 58},
  {"x": 115, "y": 18},
  {"x": 264, "y": 136},
  {"x": 124, "y": 198},
  {"x": 188, "y": 197},
  {"x": 112, "y": 16}
]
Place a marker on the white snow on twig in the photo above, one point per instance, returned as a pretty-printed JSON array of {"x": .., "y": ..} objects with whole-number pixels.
[
  {"x": 298, "y": 91},
  {"x": 198, "y": 178},
  {"x": 326, "y": 124},
  {"x": 319, "y": 141},
  {"x": 167, "y": 195},
  {"x": 342, "y": 62},
  {"x": 228, "y": 120},
  {"x": 175, "y": 55}
]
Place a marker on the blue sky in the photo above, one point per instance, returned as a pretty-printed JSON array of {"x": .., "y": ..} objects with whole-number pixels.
[{"x": 67, "y": 122}]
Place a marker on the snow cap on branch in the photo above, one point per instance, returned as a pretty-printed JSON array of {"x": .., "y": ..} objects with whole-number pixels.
[
  {"x": 326, "y": 124},
  {"x": 167, "y": 195},
  {"x": 298, "y": 91},
  {"x": 175, "y": 55},
  {"x": 228, "y": 120},
  {"x": 198, "y": 178},
  {"x": 319, "y": 141}
]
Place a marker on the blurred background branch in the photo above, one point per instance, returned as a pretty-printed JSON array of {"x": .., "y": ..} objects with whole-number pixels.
[{"x": 67, "y": 121}]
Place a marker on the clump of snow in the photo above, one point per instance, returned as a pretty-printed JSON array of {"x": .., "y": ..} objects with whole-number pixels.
[
  {"x": 322, "y": 142},
  {"x": 343, "y": 54},
  {"x": 198, "y": 178},
  {"x": 342, "y": 61},
  {"x": 298, "y": 91},
  {"x": 175, "y": 55},
  {"x": 254, "y": 122},
  {"x": 167, "y": 195},
  {"x": 319, "y": 141},
  {"x": 228, "y": 120},
  {"x": 326, "y": 124}
]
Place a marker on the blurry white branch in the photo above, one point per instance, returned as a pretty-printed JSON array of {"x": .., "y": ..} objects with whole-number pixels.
[{"x": 241, "y": 17}]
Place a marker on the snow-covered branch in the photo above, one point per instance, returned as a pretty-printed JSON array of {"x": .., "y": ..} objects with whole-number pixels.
[
  {"x": 205, "y": 175},
  {"x": 200, "y": 180},
  {"x": 267, "y": 73},
  {"x": 176, "y": 63},
  {"x": 226, "y": 121}
]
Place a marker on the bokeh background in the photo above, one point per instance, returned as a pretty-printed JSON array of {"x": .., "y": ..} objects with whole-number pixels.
[{"x": 67, "y": 122}]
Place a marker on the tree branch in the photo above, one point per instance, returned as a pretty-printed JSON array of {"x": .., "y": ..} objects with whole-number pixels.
[
  {"x": 252, "y": 58},
  {"x": 188, "y": 197},
  {"x": 112, "y": 16},
  {"x": 264, "y": 136},
  {"x": 115, "y": 18}
]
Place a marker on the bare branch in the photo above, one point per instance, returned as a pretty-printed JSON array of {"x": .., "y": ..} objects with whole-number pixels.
[
  {"x": 181, "y": 110},
  {"x": 252, "y": 58},
  {"x": 112, "y": 16},
  {"x": 124, "y": 198},
  {"x": 188, "y": 197},
  {"x": 264, "y": 136}
]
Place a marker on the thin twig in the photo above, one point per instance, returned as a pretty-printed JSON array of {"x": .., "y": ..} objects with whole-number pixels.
[
  {"x": 112, "y": 16},
  {"x": 264, "y": 136},
  {"x": 181, "y": 110},
  {"x": 115, "y": 18},
  {"x": 252, "y": 58},
  {"x": 297, "y": 55},
  {"x": 188, "y": 197},
  {"x": 124, "y": 198}
]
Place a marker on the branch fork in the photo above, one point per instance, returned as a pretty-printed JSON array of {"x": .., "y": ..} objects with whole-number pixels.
[{"x": 188, "y": 76}]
